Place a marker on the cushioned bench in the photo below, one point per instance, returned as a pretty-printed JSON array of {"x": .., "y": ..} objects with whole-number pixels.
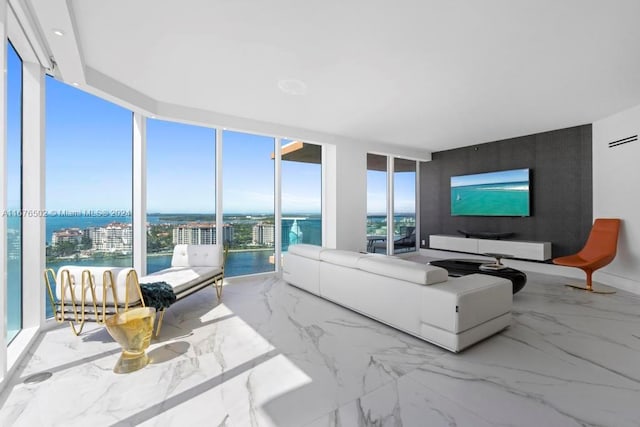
[
  {"x": 420, "y": 299},
  {"x": 90, "y": 293}
]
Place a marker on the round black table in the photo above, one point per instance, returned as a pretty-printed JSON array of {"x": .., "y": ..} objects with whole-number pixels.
[{"x": 462, "y": 267}]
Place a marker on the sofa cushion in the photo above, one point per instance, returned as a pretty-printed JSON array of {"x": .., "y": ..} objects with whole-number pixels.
[
  {"x": 343, "y": 258},
  {"x": 401, "y": 269},
  {"x": 307, "y": 251}
]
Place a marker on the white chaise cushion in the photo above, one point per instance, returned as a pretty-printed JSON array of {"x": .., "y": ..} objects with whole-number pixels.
[
  {"x": 182, "y": 278},
  {"x": 197, "y": 256},
  {"x": 97, "y": 273},
  {"x": 422, "y": 274},
  {"x": 307, "y": 251},
  {"x": 343, "y": 258}
]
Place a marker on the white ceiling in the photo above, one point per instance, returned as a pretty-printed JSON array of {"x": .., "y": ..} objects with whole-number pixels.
[{"x": 429, "y": 74}]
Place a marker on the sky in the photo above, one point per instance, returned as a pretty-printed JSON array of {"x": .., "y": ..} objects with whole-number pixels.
[
  {"x": 404, "y": 190},
  {"x": 89, "y": 162},
  {"x": 14, "y": 111},
  {"x": 89, "y": 157}
]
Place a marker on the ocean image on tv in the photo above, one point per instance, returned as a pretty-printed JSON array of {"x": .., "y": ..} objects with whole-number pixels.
[{"x": 504, "y": 193}]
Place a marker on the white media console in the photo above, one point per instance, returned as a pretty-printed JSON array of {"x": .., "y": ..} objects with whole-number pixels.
[{"x": 538, "y": 251}]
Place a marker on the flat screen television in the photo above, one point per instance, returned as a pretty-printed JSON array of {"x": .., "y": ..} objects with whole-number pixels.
[{"x": 501, "y": 193}]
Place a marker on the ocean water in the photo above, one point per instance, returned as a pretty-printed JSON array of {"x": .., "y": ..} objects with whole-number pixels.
[
  {"x": 238, "y": 263},
  {"x": 502, "y": 199}
]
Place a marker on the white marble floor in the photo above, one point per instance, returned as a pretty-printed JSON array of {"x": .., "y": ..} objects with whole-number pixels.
[{"x": 273, "y": 355}]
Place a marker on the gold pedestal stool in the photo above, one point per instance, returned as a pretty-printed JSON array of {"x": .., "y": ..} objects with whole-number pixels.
[{"x": 132, "y": 329}]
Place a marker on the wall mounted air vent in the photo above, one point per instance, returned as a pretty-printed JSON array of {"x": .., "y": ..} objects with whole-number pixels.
[{"x": 623, "y": 141}]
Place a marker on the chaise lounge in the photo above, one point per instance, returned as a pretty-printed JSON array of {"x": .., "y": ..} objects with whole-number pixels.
[{"x": 88, "y": 293}]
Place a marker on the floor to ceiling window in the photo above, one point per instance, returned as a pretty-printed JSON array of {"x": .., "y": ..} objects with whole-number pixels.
[
  {"x": 248, "y": 202},
  {"x": 181, "y": 189},
  {"x": 88, "y": 179},
  {"x": 376, "y": 203},
  {"x": 14, "y": 193},
  {"x": 400, "y": 213},
  {"x": 404, "y": 205},
  {"x": 301, "y": 195}
]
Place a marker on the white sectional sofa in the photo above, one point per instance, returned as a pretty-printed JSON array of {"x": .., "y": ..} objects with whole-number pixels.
[{"x": 419, "y": 299}]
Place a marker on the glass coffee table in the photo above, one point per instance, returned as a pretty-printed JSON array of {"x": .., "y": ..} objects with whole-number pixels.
[{"x": 462, "y": 267}]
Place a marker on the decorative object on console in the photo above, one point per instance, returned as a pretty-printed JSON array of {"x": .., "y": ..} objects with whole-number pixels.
[
  {"x": 485, "y": 234},
  {"x": 600, "y": 250}
]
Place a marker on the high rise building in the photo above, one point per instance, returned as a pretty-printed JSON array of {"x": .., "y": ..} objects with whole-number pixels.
[
  {"x": 264, "y": 234},
  {"x": 67, "y": 235},
  {"x": 113, "y": 237},
  {"x": 200, "y": 233}
]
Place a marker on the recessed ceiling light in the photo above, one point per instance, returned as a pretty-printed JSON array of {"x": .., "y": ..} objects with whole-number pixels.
[
  {"x": 58, "y": 32},
  {"x": 75, "y": 84},
  {"x": 292, "y": 87}
]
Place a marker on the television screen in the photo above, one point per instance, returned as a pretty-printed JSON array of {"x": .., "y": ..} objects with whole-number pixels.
[{"x": 503, "y": 193}]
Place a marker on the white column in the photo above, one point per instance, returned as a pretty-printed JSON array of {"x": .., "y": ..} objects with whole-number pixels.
[
  {"x": 329, "y": 196},
  {"x": 3, "y": 191},
  {"x": 33, "y": 196},
  {"x": 390, "y": 207},
  {"x": 323, "y": 197},
  {"x": 417, "y": 209},
  {"x": 278, "y": 204},
  {"x": 140, "y": 193},
  {"x": 218, "y": 189},
  {"x": 344, "y": 209}
]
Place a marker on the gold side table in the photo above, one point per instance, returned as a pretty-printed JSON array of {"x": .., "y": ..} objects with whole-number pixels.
[{"x": 132, "y": 329}]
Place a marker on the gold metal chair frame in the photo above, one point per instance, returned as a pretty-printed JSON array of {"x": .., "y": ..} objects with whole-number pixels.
[{"x": 78, "y": 314}]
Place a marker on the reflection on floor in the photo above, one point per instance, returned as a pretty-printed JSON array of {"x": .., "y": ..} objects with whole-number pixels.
[{"x": 273, "y": 355}]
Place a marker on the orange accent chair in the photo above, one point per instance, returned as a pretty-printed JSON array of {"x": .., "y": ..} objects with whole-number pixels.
[{"x": 599, "y": 250}]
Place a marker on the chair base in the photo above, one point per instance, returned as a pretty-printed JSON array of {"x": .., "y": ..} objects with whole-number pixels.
[{"x": 590, "y": 289}]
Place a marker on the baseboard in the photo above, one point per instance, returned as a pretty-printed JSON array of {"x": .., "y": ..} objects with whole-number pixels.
[
  {"x": 617, "y": 282},
  {"x": 251, "y": 277}
]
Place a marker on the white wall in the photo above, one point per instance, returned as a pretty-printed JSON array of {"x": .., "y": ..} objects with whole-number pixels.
[
  {"x": 616, "y": 193},
  {"x": 346, "y": 197}
]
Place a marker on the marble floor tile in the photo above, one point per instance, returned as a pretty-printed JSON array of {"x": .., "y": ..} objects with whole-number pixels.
[{"x": 270, "y": 354}]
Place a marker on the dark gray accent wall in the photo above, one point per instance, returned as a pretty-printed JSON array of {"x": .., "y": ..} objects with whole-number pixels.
[{"x": 561, "y": 188}]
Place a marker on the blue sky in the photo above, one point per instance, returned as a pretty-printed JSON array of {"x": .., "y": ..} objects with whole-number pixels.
[
  {"x": 404, "y": 192},
  {"x": 89, "y": 158},
  {"x": 14, "y": 110},
  {"x": 181, "y": 168},
  {"x": 89, "y": 151},
  {"x": 516, "y": 175}
]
